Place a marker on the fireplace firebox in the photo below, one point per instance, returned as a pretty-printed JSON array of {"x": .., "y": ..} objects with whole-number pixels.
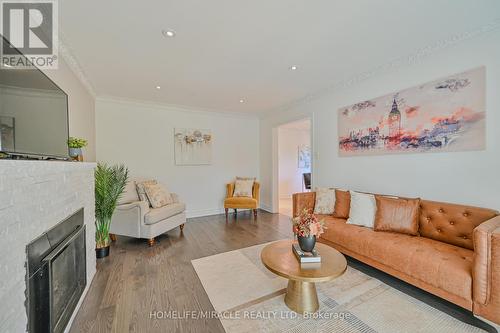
[{"x": 56, "y": 275}]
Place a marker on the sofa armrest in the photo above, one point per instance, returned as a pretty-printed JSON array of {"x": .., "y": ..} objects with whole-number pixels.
[
  {"x": 229, "y": 190},
  {"x": 301, "y": 201},
  {"x": 486, "y": 270},
  {"x": 141, "y": 206},
  {"x": 128, "y": 218}
]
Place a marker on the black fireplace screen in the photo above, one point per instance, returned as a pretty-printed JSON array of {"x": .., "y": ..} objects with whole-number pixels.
[{"x": 56, "y": 275}]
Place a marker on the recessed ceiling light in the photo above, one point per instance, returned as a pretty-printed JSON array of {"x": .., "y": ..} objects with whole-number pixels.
[
  {"x": 168, "y": 33},
  {"x": 158, "y": 87},
  {"x": 293, "y": 68},
  {"x": 241, "y": 100}
]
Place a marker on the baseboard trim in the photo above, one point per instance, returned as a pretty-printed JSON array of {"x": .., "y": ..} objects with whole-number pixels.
[
  {"x": 208, "y": 212},
  {"x": 204, "y": 212},
  {"x": 265, "y": 207}
]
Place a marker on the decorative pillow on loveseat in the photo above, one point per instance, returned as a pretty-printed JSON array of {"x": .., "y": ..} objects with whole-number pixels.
[
  {"x": 325, "y": 201},
  {"x": 397, "y": 215},
  {"x": 140, "y": 189},
  {"x": 362, "y": 210},
  {"x": 158, "y": 196}
]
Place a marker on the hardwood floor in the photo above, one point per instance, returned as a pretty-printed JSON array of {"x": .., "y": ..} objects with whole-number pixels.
[{"x": 136, "y": 280}]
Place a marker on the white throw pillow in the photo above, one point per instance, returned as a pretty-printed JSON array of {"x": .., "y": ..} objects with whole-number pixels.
[
  {"x": 325, "y": 200},
  {"x": 243, "y": 187},
  {"x": 140, "y": 189},
  {"x": 157, "y": 195},
  {"x": 363, "y": 209}
]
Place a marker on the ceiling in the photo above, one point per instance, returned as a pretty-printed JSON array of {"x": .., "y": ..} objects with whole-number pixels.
[{"x": 228, "y": 50}]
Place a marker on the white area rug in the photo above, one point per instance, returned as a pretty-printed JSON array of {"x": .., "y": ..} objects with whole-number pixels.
[{"x": 251, "y": 299}]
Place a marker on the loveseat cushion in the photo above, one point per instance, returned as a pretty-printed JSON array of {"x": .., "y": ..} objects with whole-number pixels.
[
  {"x": 158, "y": 214},
  {"x": 438, "y": 264},
  {"x": 129, "y": 194}
]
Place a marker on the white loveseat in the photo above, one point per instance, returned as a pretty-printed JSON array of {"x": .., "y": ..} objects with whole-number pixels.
[{"x": 135, "y": 218}]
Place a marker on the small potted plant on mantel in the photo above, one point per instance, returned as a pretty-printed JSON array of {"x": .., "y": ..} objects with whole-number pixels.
[
  {"x": 110, "y": 182},
  {"x": 307, "y": 227},
  {"x": 75, "y": 148}
]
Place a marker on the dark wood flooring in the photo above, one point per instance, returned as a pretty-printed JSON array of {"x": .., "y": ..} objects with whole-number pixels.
[{"x": 136, "y": 279}]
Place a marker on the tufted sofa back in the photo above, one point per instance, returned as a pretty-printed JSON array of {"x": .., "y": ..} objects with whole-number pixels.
[{"x": 451, "y": 223}]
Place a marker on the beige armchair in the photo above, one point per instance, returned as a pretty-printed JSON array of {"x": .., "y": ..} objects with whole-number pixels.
[{"x": 134, "y": 218}]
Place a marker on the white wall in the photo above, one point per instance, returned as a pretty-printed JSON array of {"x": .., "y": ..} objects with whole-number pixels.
[
  {"x": 81, "y": 106},
  {"x": 462, "y": 177},
  {"x": 142, "y": 137},
  {"x": 290, "y": 175}
]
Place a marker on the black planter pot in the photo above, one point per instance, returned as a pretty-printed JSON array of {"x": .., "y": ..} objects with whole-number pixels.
[
  {"x": 102, "y": 252},
  {"x": 307, "y": 243}
]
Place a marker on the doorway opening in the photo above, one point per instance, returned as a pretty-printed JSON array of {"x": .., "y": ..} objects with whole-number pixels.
[{"x": 294, "y": 162}]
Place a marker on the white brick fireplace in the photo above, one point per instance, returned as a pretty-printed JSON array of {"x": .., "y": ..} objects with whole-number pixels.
[{"x": 35, "y": 196}]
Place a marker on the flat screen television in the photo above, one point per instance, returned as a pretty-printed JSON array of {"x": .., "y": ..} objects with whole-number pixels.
[{"x": 33, "y": 114}]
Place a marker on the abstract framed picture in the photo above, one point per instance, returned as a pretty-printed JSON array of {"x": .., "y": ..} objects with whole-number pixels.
[
  {"x": 304, "y": 157},
  {"x": 444, "y": 115},
  {"x": 192, "y": 146}
]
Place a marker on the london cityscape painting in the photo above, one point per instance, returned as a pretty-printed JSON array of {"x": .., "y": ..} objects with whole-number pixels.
[{"x": 440, "y": 116}]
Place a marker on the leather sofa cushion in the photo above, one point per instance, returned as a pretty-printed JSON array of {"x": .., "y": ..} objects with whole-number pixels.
[
  {"x": 441, "y": 265},
  {"x": 342, "y": 204},
  {"x": 397, "y": 215},
  {"x": 158, "y": 214},
  {"x": 451, "y": 223},
  {"x": 240, "y": 202}
]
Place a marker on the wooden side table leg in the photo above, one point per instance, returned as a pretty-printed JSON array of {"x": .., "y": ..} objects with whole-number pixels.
[
  {"x": 182, "y": 226},
  {"x": 151, "y": 242},
  {"x": 301, "y": 296}
]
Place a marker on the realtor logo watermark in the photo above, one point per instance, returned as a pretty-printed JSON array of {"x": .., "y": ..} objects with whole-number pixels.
[{"x": 31, "y": 27}]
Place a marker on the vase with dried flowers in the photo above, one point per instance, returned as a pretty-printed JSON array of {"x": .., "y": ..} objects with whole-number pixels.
[{"x": 307, "y": 227}]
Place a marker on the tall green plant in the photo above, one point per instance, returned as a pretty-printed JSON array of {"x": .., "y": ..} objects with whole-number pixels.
[{"x": 110, "y": 182}]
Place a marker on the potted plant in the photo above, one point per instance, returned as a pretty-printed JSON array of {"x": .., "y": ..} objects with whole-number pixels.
[
  {"x": 307, "y": 227},
  {"x": 110, "y": 182},
  {"x": 75, "y": 148}
]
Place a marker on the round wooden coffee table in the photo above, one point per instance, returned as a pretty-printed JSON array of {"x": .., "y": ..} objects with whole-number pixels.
[{"x": 301, "y": 293}]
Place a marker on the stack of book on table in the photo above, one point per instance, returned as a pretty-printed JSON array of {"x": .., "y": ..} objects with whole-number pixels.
[{"x": 305, "y": 257}]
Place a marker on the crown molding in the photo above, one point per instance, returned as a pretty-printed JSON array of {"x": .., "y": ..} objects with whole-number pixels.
[
  {"x": 66, "y": 53},
  {"x": 404, "y": 61},
  {"x": 174, "y": 107}
]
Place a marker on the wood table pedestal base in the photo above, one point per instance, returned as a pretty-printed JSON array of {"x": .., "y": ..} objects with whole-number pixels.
[{"x": 301, "y": 296}]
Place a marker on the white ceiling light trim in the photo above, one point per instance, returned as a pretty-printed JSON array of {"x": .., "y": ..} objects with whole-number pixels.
[{"x": 168, "y": 33}]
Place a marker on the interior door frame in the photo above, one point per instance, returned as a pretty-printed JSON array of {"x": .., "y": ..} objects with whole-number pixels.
[{"x": 275, "y": 161}]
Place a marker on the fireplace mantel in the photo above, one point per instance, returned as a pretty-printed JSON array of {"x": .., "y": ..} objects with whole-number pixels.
[{"x": 35, "y": 196}]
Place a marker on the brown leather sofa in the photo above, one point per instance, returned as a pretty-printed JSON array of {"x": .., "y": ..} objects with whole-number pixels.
[{"x": 456, "y": 256}]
